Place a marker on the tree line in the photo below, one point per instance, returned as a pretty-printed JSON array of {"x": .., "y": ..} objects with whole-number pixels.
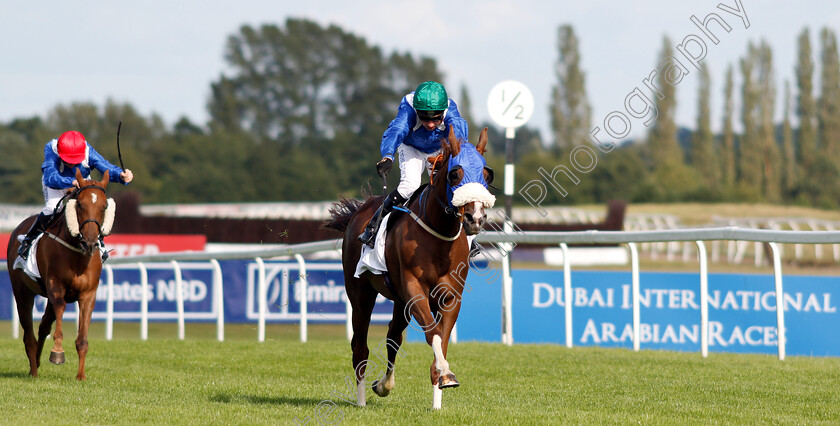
[
  {"x": 766, "y": 161},
  {"x": 300, "y": 114}
]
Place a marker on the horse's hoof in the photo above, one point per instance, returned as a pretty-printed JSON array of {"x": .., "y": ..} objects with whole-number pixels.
[
  {"x": 385, "y": 391},
  {"x": 57, "y": 358},
  {"x": 448, "y": 381}
]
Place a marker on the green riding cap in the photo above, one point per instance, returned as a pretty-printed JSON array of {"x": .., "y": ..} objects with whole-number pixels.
[{"x": 430, "y": 96}]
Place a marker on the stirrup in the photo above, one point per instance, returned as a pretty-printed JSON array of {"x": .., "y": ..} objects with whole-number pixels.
[{"x": 368, "y": 236}]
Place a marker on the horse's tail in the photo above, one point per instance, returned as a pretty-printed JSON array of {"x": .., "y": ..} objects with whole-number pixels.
[{"x": 340, "y": 214}]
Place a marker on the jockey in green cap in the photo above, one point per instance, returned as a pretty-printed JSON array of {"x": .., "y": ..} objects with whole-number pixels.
[{"x": 422, "y": 121}]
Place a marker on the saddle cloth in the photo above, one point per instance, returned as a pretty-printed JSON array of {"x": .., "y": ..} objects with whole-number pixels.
[
  {"x": 373, "y": 259},
  {"x": 30, "y": 265}
]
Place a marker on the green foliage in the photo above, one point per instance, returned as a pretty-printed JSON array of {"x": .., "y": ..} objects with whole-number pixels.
[
  {"x": 570, "y": 109},
  {"x": 829, "y": 101},
  {"x": 703, "y": 155},
  {"x": 727, "y": 146},
  {"x": 806, "y": 106}
]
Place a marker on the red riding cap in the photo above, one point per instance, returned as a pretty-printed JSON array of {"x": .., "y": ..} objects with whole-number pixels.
[{"x": 71, "y": 147}]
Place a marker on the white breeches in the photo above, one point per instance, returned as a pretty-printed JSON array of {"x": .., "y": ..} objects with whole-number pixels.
[
  {"x": 51, "y": 198},
  {"x": 412, "y": 163}
]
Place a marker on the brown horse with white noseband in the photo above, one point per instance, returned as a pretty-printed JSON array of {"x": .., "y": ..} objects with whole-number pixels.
[
  {"x": 427, "y": 254},
  {"x": 69, "y": 263}
]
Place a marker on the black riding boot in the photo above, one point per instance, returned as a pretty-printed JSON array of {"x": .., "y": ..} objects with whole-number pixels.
[
  {"x": 36, "y": 229},
  {"x": 393, "y": 199}
]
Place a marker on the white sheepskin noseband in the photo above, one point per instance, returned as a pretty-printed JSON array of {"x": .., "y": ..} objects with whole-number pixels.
[
  {"x": 73, "y": 221},
  {"x": 110, "y": 211},
  {"x": 70, "y": 216},
  {"x": 470, "y": 192}
]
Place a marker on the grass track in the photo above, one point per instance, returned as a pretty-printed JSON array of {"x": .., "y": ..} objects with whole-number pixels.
[{"x": 241, "y": 381}]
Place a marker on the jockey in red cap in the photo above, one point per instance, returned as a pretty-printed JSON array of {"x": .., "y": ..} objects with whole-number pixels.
[{"x": 62, "y": 157}]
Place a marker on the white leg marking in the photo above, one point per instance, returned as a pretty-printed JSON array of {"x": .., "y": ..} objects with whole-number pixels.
[
  {"x": 440, "y": 362},
  {"x": 437, "y": 397},
  {"x": 360, "y": 397}
]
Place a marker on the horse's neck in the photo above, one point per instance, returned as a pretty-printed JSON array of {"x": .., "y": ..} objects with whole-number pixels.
[{"x": 439, "y": 220}]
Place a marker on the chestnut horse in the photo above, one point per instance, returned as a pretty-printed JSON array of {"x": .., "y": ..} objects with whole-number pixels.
[
  {"x": 426, "y": 253},
  {"x": 69, "y": 263}
]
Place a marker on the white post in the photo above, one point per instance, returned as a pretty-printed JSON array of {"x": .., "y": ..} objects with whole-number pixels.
[
  {"x": 567, "y": 293},
  {"x": 634, "y": 261},
  {"x": 304, "y": 296},
  {"x": 109, "y": 314},
  {"x": 780, "y": 301},
  {"x": 144, "y": 302},
  {"x": 179, "y": 298},
  {"x": 507, "y": 293},
  {"x": 704, "y": 300},
  {"x": 218, "y": 290},
  {"x": 261, "y": 300}
]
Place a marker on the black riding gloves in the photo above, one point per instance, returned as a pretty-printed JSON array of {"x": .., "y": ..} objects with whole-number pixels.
[{"x": 384, "y": 166}]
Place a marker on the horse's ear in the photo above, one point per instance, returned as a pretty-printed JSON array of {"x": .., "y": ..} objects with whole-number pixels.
[
  {"x": 454, "y": 143},
  {"x": 482, "y": 142},
  {"x": 105, "y": 179},
  {"x": 79, "y": 177}
]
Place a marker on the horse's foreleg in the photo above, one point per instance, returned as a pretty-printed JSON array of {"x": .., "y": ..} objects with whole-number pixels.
[
  {"x": 57, "y": 353},
  {"x": 24, "y": 301},
  {"x": 362, "y": 298},
  {"x": 385, "y": 385},
  {"x": 86, "y": 303},
  {"x": 45, "y": 328},
  {"x": 420, "y": 308}
]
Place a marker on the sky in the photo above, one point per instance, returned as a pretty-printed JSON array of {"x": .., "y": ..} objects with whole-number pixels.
[{"x": 161, "y": 56}]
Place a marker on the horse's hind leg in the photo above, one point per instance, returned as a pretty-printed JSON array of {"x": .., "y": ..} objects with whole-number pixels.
[
  {"x": 362, "y": 298},
  {"x": 86, "y": 303},
  {"x": 24, "y": 300},
  {"x": 396, "y": 327}
]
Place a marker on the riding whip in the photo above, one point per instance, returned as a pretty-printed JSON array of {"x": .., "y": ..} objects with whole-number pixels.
[{"x": 119, "y": 153}]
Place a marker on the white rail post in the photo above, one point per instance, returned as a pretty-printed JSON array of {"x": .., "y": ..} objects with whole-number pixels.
[
  {"x": 218, "y": 289},
  {"x": 109, "y": 303},
  {"x": 179, "y": 298},
  {"x": 144, "y": 302},
  {"x": 567, "y": 293},
  {"x": 261, "y": 300},
  {"x": 634, "y": 261},
  {"x": 507, "y": 290},
  {"x": 704, "y": 299},
  {"x": 780, "y": 300},
  {"x": 304, "y": 296}
]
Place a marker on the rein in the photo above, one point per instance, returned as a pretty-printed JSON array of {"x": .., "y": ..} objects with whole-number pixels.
[{"x": 428, "y": 228}]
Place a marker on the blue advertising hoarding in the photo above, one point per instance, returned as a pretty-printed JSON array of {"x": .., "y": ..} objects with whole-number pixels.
[{"x": 742, "y": 314}]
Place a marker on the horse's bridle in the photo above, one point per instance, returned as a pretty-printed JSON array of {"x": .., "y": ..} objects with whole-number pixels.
[
  {"x": 76, "y": 193},
  {"x": 71, "y": 195}
]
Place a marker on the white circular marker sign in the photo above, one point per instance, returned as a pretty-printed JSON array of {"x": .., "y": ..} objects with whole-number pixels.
[{"x": 510, "y": 104}]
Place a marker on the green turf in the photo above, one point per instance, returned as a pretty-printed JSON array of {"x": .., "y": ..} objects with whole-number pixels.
[{"x": 241, "y": 381}]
